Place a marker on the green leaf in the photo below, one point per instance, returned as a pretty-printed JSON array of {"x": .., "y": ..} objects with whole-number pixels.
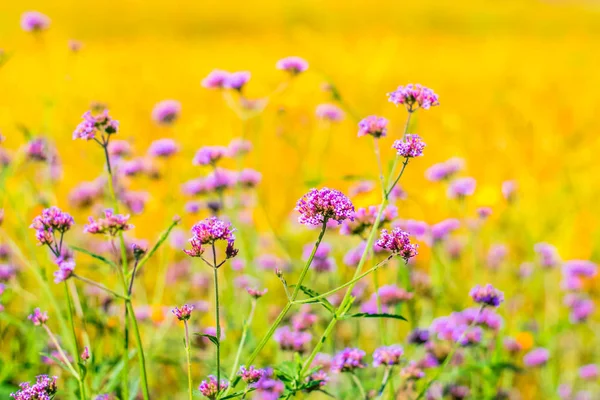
[
  {"x": 500, "y": 366},
  {"x": 83, "y": 369},
  {"x": 237, "y": 394},
  {"x": 323, "y": 301},
  {"x": 94, "y": 255},
  {"x": 378, "y": 315},
  {"x": 210, "y": 337}
]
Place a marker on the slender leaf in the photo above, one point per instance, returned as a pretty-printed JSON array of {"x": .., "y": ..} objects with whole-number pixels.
[
  {"x": 94, "y": 255},
  {"x": 210, "y": 337},
  {"x": 378, "y": 315},
  {"x": 311, "y": 293},
  {"x": 237, "y": 394}
]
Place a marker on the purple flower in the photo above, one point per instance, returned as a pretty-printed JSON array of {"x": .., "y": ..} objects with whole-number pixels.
[
  {"x": 414, "y": 97},
  {"x": 391, "y": 295},
  {"x": 373, "y": 125},
  {"x": 387, "y": 355},
  {"x": 51, "y": 220},
  {"x": 220, "y": 179},
  {"x": 444, "y": 170},
  {"x": 321, "y": 205},
  {"x": 418, "y": 336},
  {"x": 484, "y": 212},
  {"x": 184, "y": 313},
  {"x": 365, "y": 217},
  {"x": 412, "y": 372},
  {"x": 250, "y": 375},
  {"x": 209, "y": 231},
  {"x": 304, "y": 319},
  {"x": 249, "y": 178},
  {"x": 95, "y": 124},
  {"x": 37, "y": 150},
  {"x": 580, "y": 268},
  {"x": 411, "y": 146},
  {"x": 511, "y": 345},
  {"x": 210, "y": 155},
  {"x": 166, "y": 112},
  {"x": 256, "y": 293},
  {"x": 442, "y": 229},
  {"x": 84, "y": 194},
  {"x": 487, "y": 295},
  {"x": 353, "y": 256},
  {"x": 110, "y": 225},
  {"x": 398, "y": 242},
  {"x": 268, "y": 388},
  {"x": 237, "y": 80},
  {"x": 163, "y": 148},
  {"x": 508, "y": 190},
  {"x": 547, "y": 254},
  {"x": 38, "y": 318},
  {"x": 536, "y": 357},
  {"x": 85, "y": 354},
  {"x": 589, "y": 372},
  {"x": 292, "y": 340},
  {"x": 348, "y": 360},
  {"x": 330, "y": 112},
  {"x": 461, "y": 187},
  {"x": 496, "y": 255},
  {"x": 293, "y": 65},
  {"x": 64, "y": 272},
  {"x": 44, "y": 388},
  {"x": 581, "y": 307},
  {"x": 238, "y": 147},
  {"x": 34, "y": 21},
  {"x": 215, "y": 79},
  {"x": 211, "y": 388},
  {"x": 322, "y": 262}
]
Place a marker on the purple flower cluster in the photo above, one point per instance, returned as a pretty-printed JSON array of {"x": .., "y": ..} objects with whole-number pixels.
[
  {"x": 250, "y": 375},
  {"x": 209, "y": 231},
  {"x": 391, "y": 295},
  {"x": 95, "y": 124},
  {"x": 536, "y": 357},
  {"x": 411, "y": 146},
  {"x": 461, "y": 187},
  {"x": 38, "y": 318},
  {"x": 508, "y": 190},
  {"x": 110, "y": 225},
  {"x": 388, "y": 355},
  {"x": 238, "y": 147},
  {"x": 398, "y": 242},
  {"x": 65, "y": 270},
  {"x": 84, "y": 194},
  {"x": 418, "y": 336},
  {"x": 34, "y": 21},
  {"x": 321, "y": 205},
  {"x": 304, "y": 319},
  {"x": 249, "y": 178},
  {"x": 184, "y": 313},
  {"x": 210, "y": 388},
  {"x": 581, "y": 307},
  {"x": 547, "y": 255},
  {"x": 322, "y": 261},
  {"x": 414, "y": 97},
  {"x": 496, "y": 255},
  {"x": 364, "y": 218},
  {"x": 268, "y": 388},
  {"x": 441, "y": 230},
  {"x": 348, "y": 360},
  {"x": 487, "y": 295},
  {"x": 210, "y": 155},
  {"x": 445, "y": 170},
  {"x": 256, "y": 293},
  {"x": 373, "y": 125},
  {"x": 292, "y": 340},
  {"x": 329, "y": 112},
  {"x": 50, "y": 221},
  {"x": 44, "y": 388},
  {"x": 166, "y": 112},
  {"x": 412, "y": 372},
  {"x": 293, "y": 65},
  {"x": 163, "y": 148}
]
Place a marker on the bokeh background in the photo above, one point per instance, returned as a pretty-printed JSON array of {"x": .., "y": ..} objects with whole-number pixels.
[{"x": 518, "y": 84}]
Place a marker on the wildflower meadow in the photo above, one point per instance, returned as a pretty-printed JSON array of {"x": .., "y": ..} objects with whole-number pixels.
[{"x": 303, "y": 200}]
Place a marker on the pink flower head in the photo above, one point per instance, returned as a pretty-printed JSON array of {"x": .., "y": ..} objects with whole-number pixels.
[
  {"x": 365, "y": 217},
  {"x": 348, "y": 360},
  {"x": 64, "y": 272},
  {"x": 391, "y": 295},
  {"x": 304, "y": 319},
  {"x": 211, "y": 388},
  {"x": 53, "y": 219},
  {"x": 44, "y": 388},
  {"x": 293, "y": 65},
  {"x": 250, "y": 375},
  {"x": 484, "y": 212},
  {"x": 166, "y": 112},
  {"x": 256, "y": 293},
  {"x": 215, "y": 79},
  {"x": 85, "y": 354},
  {"x": 330, "y": 112},
  {"x": 547, "y": 255},
  {"x": 237, "y": 80},
  {"x": 412, "y": 372},
  {"x": 487, "y": 295},
  {"x": 411, "y": 146},
  {"x": 580, "y": 268},
  {"x": 163, "y": 148},
  {"x": 34, "y": 21},
  {"x": 414, "y": 97},
  {"x": 445, "y": 170},
  {"x": 292, "y": 340},
  {"x": 184, "y": 313},
  {"x": 95, "y": 124},
  {"x": 589, "y": 372},
  {"x": 119, "y": 148},
  {"x": 238, "y": 147},
  {"x": 210, "y": 155},
  {"x": 321, "y": 205},
  {"x": 536, "y": 357},
  {"x": 508, "y": 190},
  {"x": 37, "y": 150},
  {"x": 442, "y": 229},
  {"x": 461, "y": 187},
  {"x": 220, "y": 179},
  {"x": 388, "y": 355},
  {"x": 373, "y": 125},
  {"x": 110, "y": 225},
  {"x": 209, "y": 231},
  {"x": 249, "y": 178},
  {"x": 38, "y": 318},
  {"x": 398, "y": 242}
]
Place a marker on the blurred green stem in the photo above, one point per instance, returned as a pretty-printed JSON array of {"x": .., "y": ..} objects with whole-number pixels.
[
  {"x": 189, "y": 360},
  {"x": 76, "y": 352},
  {"x": 247, "y": 323}
]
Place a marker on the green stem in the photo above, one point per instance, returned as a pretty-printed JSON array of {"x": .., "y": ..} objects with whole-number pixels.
[
  {"x": 216, "y": 281},
  {"x": 384, "y": 381},
  {"x": 359, "y": 385},
  {"x": 379, "y": 307},
  {"x": 140, "y": 350},
  {"x": 236, "y": 362},
  {"x": 99, "y": 286},
  {"x": 61, "y": 352},
  {"x": 189, "y": 360},
  {"x": 75, "y": 344}
]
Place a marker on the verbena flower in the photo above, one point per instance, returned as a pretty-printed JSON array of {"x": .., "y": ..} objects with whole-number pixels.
[
  {"x": 322, "y": 261},
  {"x": 409, "y": 147},
  {"x": 547, "y": 255},
  {"x": 414, "y": 96},
  {"x": 110, "y": 225},
  {"x": 348, "y": 360},
  {"x": 320, "y": 379},
  {"x": 208, "y": 232},
  {"x": 210, "y": 155},
  {"x": 536, "y": 357},
  {"x": 496, "y": 255},
  {"x": 292, "y": 340},
  {"x": 86, "y": 193},
  {"x": 163, "y": 148},
  {"x": 365, "y": 217},
  {"x": 391, "y": 295},
  {"x": 418, "y": 336},
  {"x": 210, "y": 388},
  {"x": 487, "y": 295},
  {"x": 388, "y": 355},
  {"x": 34, "y": 21},
  {"x": 237, "y": 80},
  {"x": 304, "y": 319},
  {"x": 268, "y": 388},
  {"x": 580, "y": 268},
  {"x": 256, "y": 293},
  {"x": 238, "y": 147},
  {"x": 461, "y": 187},
  {"x": 320, "y": 205},
  {"x": 215, "y": 79},
  {"x": 166, "y": 112},
  {"x": 589, "y": 372},
  {"x": 37, "y": 150},
  {"x": 50, "y": 221},
  {"x": 412, "y": 372},
  {"x": 44, "y": 388},
  {"x": 441, "y": 230},
  {"x": 398, "y": 242},
  {"x": 184, "y": 313},
  {"x": 484, "y": 212},
  {"x": 373, "y": 125},
  {"x": 85, "y": 354},
  {"x": 329, "y": 112},
  {"x": 37, "y": 317},
  {"x": 508, "y": 190},
  {"x": 250, "y": 375},
  {"x": 249, "y": 178},
  {"x": 93, "y": 125},
  {"x": 445, "y": 170},
  {"x": 293, "y": 65},
  {"x": 64, "y": 272}
]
